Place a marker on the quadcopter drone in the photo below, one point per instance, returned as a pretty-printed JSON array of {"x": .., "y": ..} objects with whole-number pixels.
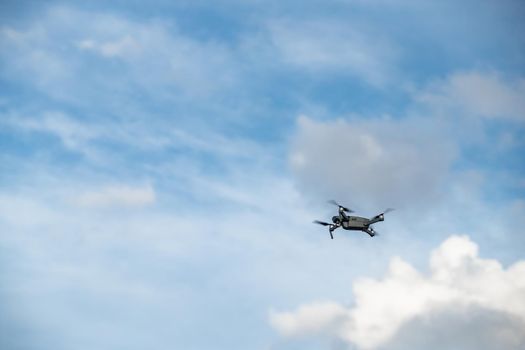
[{"x": 353, "y": 223}]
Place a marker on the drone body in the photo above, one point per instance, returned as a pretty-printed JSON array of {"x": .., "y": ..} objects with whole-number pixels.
[{"x": 352, "y": 223}]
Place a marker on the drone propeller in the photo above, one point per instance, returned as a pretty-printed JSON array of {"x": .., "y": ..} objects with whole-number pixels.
[
  {"x": 340, "y": 206},
  {"x": 332, "y": 226},
  {"x": 321, "y": 223},
  {"x": 381, "y": 217},
  {"x": 388, "y": 210}
]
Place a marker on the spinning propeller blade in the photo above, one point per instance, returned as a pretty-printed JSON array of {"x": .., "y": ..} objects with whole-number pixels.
[
  {"x": 332, "y": 227},
  {"x": 388, "y": 210},
  {"x": 340, "y": 206},
  {"x": 321, "y": 223}
]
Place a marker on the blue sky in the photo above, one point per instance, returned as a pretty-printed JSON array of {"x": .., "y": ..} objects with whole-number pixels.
[{"x": 162, "y": 164}]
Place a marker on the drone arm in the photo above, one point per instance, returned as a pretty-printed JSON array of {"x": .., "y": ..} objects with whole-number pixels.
[
  {"x": 377, "y": 218},
  {"x": 331, "y": 230}
]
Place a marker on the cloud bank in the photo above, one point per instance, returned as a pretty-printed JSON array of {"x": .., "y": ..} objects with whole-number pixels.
[{"x": 464, "y": 302}]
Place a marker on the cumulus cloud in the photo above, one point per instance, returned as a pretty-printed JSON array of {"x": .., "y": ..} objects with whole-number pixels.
[
  {"x": 487, "y": 95},
  {"x": 464, "y": 302},
  {"x": 311, "y": 318},
  {"x": 376, "y": 163}
]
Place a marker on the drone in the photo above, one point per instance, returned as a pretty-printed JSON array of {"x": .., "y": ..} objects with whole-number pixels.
[{"x": 352, "y": 223}]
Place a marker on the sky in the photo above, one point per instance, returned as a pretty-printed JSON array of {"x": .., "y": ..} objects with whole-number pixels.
[{"x": 162, "y": 163}]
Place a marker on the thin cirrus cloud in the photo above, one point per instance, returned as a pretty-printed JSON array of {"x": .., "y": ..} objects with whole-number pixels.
[
  {"x": 407, "y": 307},
  {"x": 324, "y": 46},
  {"x": 56, "y": 51},
  {"x": 84, "y": 137},
  {"x": 120, "y": 47},
  {"x": 73, "y": 134}
]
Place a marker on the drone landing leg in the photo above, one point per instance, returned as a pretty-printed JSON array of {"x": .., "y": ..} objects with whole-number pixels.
[
  {"x": 331, "y": 235},
  {"x": 370, "y": 233}
]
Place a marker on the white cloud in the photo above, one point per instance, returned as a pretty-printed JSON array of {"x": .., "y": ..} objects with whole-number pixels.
[
  {"x": 54, "y": 53},
  {"x": 82, "y": 266},
  {"x": 326, "y": 46},
  {"x": 311, "y": 318},
  {"x": 376, "y": 163},
  {"x": 120, "y": 47},
  {"x": 73, "y": 134},
  {"x": 410, "y": 161},
  {"x": 15, "y": 212},
  {"x": 479, "y": 296},
  {"x": 92, "y": 138},
  {"x": 119, "y": 195},
  {"x": 30, "y": 54},
  {"x": 487, "y": 95}
]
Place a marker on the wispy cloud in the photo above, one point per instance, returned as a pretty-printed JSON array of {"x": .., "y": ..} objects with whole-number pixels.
[
  {"x": 74, "y": 134},
  {"x": 479, "y": 94},
  {"x": 120, "y": 47},
  {"x": 119, "y": 195},
  {"x": 329, "y": 46},
  {"x": 57, "y": 52},
  {"x": 88, "y": 138}
]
